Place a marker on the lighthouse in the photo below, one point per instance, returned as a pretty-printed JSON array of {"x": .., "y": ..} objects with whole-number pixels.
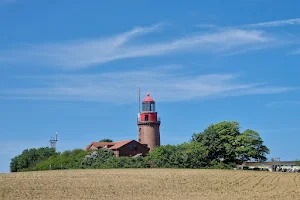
[{"x": 148, "y": 124}]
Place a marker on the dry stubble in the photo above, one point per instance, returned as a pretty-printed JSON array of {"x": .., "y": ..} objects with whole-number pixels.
[{"x": 149, "y": 184}]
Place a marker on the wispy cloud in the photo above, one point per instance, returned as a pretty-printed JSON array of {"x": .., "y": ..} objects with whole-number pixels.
[
  {"x": 205, "y": 26},
  {"x": 274, "y": 40},
  {"x": 295, "y": 52},
  {"x": 283, "y": 103},
  {"x": 294, "y": 21},
  {"x": 80, "y": 53},
  {"x": 85, "y": 53},
  {"x": 111, "y": 87},
  {"x": 90, "y": 52},
  {"x": 7, "y": 1}
]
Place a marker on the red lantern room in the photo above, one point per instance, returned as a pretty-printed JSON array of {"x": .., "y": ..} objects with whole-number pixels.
[
  {"x": 148, "y": 124},
  {"x": 148, "y": 109}
]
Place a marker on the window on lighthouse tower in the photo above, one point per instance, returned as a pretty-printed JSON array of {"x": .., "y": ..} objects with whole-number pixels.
[
  {"x": 148, "y": 106},
  {"x": 152, "y": 106}
]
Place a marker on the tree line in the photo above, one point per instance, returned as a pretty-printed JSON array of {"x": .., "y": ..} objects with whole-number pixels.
[{"x": 220, "y": 145}]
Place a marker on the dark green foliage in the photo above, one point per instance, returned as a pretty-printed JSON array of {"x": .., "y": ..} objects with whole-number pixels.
[
  {"x": 298, "y": 162},
  {"x": 106, "y": 140},
  {"x": 197, "y": 155},
  {"x": 124, "y": 162},
  {"x": 30, "y": 157},
  {"x": 186, "y": 155},
  {"x": 96, "y": 159},
  {"x": 66, "y": 160},
  {"x": 219, "y": 140},
  {"x": 225, "y": 143},
  {"x": 161, "y": 155},
  {"x": 250, "y": 146},
  {"x": 105, "y": 158},
  {"x": 214, "y": 164}
]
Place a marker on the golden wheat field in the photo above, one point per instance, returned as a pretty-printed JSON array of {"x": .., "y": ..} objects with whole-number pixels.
[{"x": 150, "y": 184}]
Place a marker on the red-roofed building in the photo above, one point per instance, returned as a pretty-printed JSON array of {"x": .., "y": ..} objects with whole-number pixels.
[{"x": 121, "y": 148}]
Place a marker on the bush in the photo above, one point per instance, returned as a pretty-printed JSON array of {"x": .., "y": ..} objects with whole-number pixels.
[
  {"x": 29, "y": 158},
  {"x": 96, "y": 159},
  {"x": 219, "y": 165},
  {"x": 186, "y": 155},
  {"x": 66, "y": 160}
]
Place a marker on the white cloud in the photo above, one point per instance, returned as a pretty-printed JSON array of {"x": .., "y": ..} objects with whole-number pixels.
[
  {"x": 205, "y": 26},
  {"x": 268, "y": 24},
  {"x": 283, "y": 103},
  {"x": 121, "y": 87},
  {"x": 75, "y": 53},
  {"x": 294, "y": 21},
  {"x": 295, "y": 52},
  {"x": 7, "y": 1},
  {"x": 85, "y": 53}
]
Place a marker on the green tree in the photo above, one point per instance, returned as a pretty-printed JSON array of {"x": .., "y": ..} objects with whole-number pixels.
[
  {"x": 225, "y": 143},
  {"x": 106, "y": 140},
  {"x": 29, "y": 158},
  {"x": 186, "y": 155},
  {"x": 160, "y": 156},
  {"x": 298, "y": 162},
  {"x": 66, "y": 160},
  {"x": 220, "y": 140},
  {"x": 197, "y": 155},
  {"x": 250, "y": 146}
]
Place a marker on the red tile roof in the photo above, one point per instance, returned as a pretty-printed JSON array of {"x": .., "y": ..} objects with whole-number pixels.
[
  {"x": 111, "y": 145},
  {"x": 120, "y": 144},
  {"x": 100, "y": 144}
]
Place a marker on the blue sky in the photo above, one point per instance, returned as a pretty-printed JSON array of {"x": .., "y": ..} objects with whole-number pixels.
[{"x": 73, "y": 67}]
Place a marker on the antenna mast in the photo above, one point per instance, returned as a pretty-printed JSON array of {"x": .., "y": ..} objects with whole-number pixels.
[
  {"x": 139, "y": 95},
  {"x": 53, "y": 141}
]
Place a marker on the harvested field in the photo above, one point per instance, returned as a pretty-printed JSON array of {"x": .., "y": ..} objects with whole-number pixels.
[{"x": 150, "y": 184}]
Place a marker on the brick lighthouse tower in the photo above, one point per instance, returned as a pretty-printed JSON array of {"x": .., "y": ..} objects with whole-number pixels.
[{"x": 148, "y": 124}]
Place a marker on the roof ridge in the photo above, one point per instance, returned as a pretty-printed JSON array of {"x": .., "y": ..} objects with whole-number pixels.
[
  {"x": 123, "y": 141},
  {"x": 120, "y": 144}
]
